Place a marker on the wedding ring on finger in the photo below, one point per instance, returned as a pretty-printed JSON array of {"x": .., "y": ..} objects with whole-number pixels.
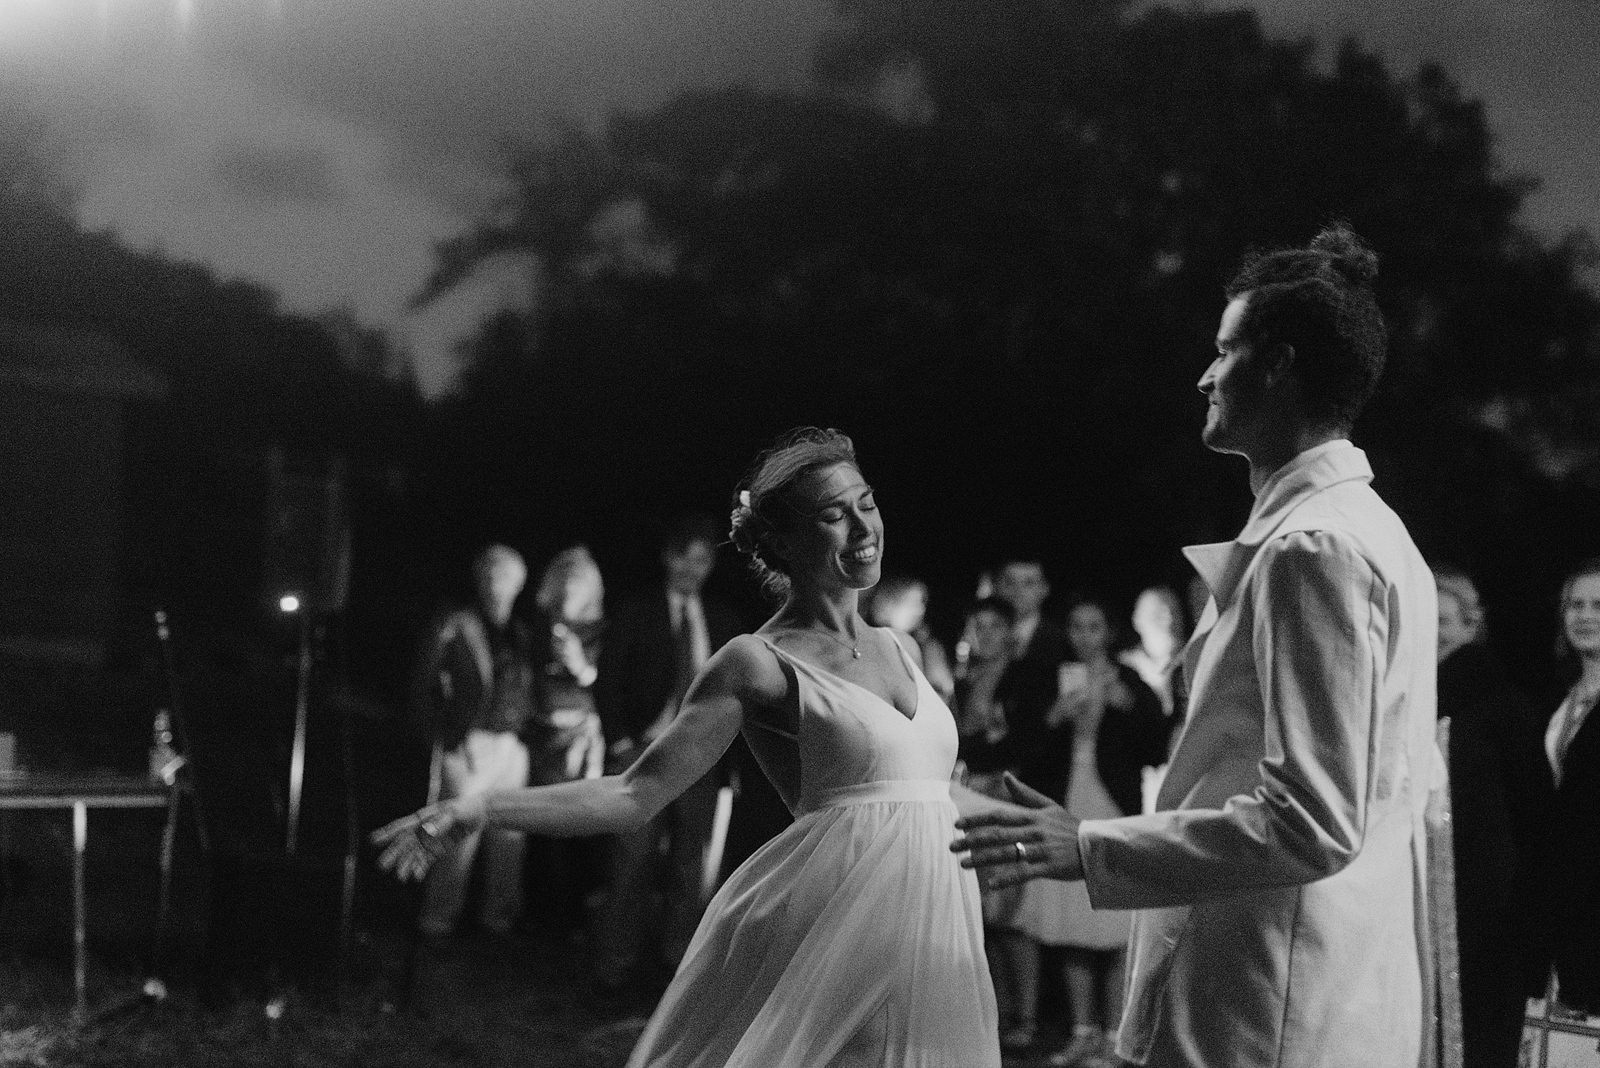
[{"x": 1022, "y": 853}]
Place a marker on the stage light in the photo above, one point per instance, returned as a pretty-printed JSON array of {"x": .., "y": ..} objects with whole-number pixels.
[{"x": 289, "y": 603}]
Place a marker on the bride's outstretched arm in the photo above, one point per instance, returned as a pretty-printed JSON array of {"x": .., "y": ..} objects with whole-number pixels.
[{"x": 712, "y": 712}]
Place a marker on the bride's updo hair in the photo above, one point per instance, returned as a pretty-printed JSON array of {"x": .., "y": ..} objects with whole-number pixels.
[{"x": 759, "y": 506}]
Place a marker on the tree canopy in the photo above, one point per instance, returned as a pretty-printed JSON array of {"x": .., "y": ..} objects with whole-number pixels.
[{"x": 992, "y": 245}]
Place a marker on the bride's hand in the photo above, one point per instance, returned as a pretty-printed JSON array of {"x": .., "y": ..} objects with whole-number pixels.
[{"x": 412, "y": 843}]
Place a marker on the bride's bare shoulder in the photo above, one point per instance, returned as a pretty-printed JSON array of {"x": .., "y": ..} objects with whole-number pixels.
[{"x": 748, "y": 667}]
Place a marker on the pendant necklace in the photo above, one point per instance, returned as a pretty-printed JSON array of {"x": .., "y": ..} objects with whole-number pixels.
[{"x": 854, "y": 651}]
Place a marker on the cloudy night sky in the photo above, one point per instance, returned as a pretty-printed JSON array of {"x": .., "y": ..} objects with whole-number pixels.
[{"x": 323, "y": 146}]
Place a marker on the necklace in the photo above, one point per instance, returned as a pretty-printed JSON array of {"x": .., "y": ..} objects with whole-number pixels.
[{"x": 854, "y": 651}]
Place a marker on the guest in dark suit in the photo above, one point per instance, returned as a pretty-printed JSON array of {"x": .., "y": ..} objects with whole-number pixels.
[
  {"x": 654, "y": 647},
  {"x": 1500, "y": 788},
  {"x": 1572, "y": 747},
  {"x": 1020, "y": 582}
]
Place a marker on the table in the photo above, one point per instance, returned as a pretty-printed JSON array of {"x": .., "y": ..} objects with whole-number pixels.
[{"x": 80, "y": 793}]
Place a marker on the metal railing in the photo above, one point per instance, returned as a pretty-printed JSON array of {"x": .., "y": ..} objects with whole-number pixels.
[{"x": 1554, "y": 1036}]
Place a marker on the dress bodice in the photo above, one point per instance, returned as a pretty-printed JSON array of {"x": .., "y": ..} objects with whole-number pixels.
[{"x": 853, "y": 744}]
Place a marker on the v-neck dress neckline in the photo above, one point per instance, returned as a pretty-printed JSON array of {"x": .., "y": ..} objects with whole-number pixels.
[{"x": 905, "y": 661}]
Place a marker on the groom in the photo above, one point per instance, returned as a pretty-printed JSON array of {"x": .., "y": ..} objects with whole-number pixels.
[{"x": 1278, "y": 883}]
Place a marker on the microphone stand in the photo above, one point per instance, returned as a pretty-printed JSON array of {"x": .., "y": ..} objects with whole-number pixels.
[{"x": 302, "y": 707}]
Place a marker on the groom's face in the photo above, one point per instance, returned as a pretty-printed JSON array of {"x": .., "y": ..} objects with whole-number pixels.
[{"x": 1234, "y": 385}]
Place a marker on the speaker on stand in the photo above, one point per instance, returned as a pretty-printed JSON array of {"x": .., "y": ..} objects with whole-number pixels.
[{"x": 282, "y": 907}]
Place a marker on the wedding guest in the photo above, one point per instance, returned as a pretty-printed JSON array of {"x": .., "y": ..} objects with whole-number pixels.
[
  {"x": 1114, "y": 728},
  {"x": 1158, "y": 621},
  {"x": 1020, "y": 581},
  {"x": 1001, "y": 705},
  {"x": 655, "y": 646},
  {"x": 1499, "y": 790},
  {"x": 901, "y": 603},
  {"x": 474, "y": 688},
  {"x": 563, "y": 734},
  {"x": 1572, "y": 748}
]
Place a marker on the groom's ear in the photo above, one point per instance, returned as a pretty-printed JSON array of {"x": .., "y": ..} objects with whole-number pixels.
[{"x": 1277, "y": 363}]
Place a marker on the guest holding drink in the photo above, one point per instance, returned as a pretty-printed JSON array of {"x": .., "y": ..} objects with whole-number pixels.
[{"x": 563, "y": 734}]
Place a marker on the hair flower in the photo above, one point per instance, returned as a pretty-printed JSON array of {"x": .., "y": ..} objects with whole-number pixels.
[{"x": 744, "y": 498}]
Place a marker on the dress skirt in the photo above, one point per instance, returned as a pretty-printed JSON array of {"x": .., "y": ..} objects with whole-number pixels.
[
  {"x": 1055, "y": 913},
  {"x": 852, "y": 940}
]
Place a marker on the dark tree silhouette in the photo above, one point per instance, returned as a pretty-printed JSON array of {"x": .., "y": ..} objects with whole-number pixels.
[{"x": 992, "y": 244}]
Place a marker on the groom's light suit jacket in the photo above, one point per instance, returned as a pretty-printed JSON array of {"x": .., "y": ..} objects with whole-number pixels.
[{"x": 1281, "y": 879}]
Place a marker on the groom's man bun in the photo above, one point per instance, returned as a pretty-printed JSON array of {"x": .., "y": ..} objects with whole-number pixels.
[{"x": 1319, "y": 300}]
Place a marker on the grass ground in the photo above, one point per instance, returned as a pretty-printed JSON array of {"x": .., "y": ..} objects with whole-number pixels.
[
  {"x": 521, "y": 1003},
  {"x": 526, "y": 1002}
]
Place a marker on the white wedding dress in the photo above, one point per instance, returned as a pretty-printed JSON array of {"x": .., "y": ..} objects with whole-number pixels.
[{"x": 854, "y": 939}]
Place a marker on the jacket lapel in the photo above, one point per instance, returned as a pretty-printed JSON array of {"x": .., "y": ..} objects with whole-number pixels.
[{"x": 1224, "y": 565}]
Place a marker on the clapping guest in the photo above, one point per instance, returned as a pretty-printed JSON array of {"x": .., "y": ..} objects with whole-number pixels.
[
  {"x": 901, "y": 604},
  {"x": 1572, "y": 747},
  {"x": 1500, "y": 786},
  {"x": 1115, "y": 728}
]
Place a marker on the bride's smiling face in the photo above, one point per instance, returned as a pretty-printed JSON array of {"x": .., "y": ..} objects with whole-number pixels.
[{"x": 835, "y": 536}]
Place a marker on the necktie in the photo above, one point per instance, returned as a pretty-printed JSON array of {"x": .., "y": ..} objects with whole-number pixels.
[{"x": 683, "y": 647}]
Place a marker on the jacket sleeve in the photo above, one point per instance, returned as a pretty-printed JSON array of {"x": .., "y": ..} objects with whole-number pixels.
[{"x": 1319, "y": 635}]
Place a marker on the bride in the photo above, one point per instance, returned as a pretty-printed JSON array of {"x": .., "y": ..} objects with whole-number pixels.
[{"x": 854, "y": 939}]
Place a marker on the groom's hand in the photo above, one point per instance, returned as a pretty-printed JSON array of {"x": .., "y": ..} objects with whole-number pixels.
[{"x": 1047, "y": 834}]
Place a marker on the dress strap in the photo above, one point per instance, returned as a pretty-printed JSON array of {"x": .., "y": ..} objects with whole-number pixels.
[
  {"x": 905, "y": 657},
  {"x": 796, "y": 663},
  {"x": 783, "y": 658}
]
